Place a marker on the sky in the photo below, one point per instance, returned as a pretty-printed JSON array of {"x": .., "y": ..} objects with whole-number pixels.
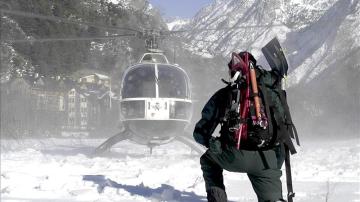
[{"x": 179, "y": 8}]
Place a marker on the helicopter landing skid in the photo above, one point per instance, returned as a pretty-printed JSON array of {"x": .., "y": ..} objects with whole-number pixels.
[
  {"x": 125, "y": 135},
  {"x": 105, "y": 146}
]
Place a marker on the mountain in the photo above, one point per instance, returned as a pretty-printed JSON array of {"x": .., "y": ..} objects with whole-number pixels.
[
  {"x": 177, "y": 23},
  {"x": 322, "y": 44},
  {"x": 312, "y": 32}
]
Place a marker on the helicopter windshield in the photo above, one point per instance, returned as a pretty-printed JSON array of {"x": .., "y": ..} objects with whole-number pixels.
[
  {"x": 172, "y": 82},
  {"x": 140, "y": 82}
]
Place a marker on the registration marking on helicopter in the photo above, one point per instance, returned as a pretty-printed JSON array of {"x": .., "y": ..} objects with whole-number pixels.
[
  {"x": 157, "y": 109},
  {"x": 157, "y": 106}
]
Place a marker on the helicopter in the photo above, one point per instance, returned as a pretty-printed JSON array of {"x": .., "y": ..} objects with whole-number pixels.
[
  {"x": 155, "y": 95},
  {"x": 155, "y": 100},
  {"x": 155, "y": 103}
]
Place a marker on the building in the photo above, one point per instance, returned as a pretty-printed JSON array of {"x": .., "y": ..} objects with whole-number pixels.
[
  {"x": 33, "y": 106},
  {"x": 16, "y": 108},
  {"x": 45, "y": 106},
  {"x": 96, "y": 79},
  {"x": 89, "y": 104}
]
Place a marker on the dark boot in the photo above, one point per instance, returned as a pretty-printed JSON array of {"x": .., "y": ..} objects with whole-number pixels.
[{"x": 216, "y": 194}]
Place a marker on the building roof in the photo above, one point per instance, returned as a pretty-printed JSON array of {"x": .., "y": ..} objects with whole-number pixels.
[{"x": 100, "y": 76}]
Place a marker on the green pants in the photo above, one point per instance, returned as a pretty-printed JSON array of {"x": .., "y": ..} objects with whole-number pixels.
[{"x": 262, "y": 168}]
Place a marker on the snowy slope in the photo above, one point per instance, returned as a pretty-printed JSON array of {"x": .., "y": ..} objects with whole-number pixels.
[
  {"x": 65, "y": 170},
  {"x": 177, "y": 24},
  {"x": 311, "y": 31}
]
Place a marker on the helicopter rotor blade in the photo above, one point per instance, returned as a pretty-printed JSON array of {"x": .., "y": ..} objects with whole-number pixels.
[
  {"x": 63, "y": 20},
  {"x": 150, "y": 37},
  {"x": 217, "y": 29},
  {"x": 67, "y": 39}
]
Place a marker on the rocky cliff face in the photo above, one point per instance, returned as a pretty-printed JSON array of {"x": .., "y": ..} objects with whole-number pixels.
[{"x": 314, "y": 33}]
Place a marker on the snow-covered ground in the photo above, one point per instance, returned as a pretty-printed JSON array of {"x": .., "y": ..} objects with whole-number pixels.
[{"x": 66, "y": 170}]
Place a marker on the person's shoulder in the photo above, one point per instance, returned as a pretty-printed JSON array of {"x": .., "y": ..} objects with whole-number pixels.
[
  {"x": 222, "y": 90},
  {"x": 219, "y": 94}
]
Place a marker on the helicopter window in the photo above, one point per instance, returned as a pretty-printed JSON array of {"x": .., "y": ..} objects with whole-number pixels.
[
  {"x": 172, "y": 82},
  {"x": 148, "y": 58},
  {"x": 133, "y": 109},
  {"x": 139, "y": 82},
  {"x": 159, "y": 59},
  {"x": 155, "y": 58}
]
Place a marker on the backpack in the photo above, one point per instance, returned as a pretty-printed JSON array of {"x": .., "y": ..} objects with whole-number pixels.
[{"x": 278, "y": 128}]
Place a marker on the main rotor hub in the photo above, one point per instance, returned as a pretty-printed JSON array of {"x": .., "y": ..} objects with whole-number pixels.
[{"x": 152, "y": 38}]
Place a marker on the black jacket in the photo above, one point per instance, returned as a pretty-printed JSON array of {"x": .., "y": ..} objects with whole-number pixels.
[{"x": 211, "y": 116}]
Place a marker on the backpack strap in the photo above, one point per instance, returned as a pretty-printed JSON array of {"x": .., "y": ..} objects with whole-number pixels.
[
  {"x": 266, "y": 106},
  {"x": 261, "y": 85},
  {"x": 292, "y": 130},
  {"x": 229, "y": 105},
  {"x": 289, "y": 185}
]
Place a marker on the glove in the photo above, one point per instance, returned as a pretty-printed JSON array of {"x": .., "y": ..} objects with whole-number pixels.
[{"x": 215, "y": 145}]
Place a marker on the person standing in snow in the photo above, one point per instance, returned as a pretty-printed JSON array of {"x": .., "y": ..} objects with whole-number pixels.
[{"x": 263, "y": 167}]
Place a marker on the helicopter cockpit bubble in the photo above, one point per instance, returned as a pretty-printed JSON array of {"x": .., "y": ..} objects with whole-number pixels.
[{"x": 155, "y": 101}]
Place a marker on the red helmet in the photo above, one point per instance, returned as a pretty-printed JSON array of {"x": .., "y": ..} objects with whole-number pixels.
[{"x": 240, "y": 62}]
